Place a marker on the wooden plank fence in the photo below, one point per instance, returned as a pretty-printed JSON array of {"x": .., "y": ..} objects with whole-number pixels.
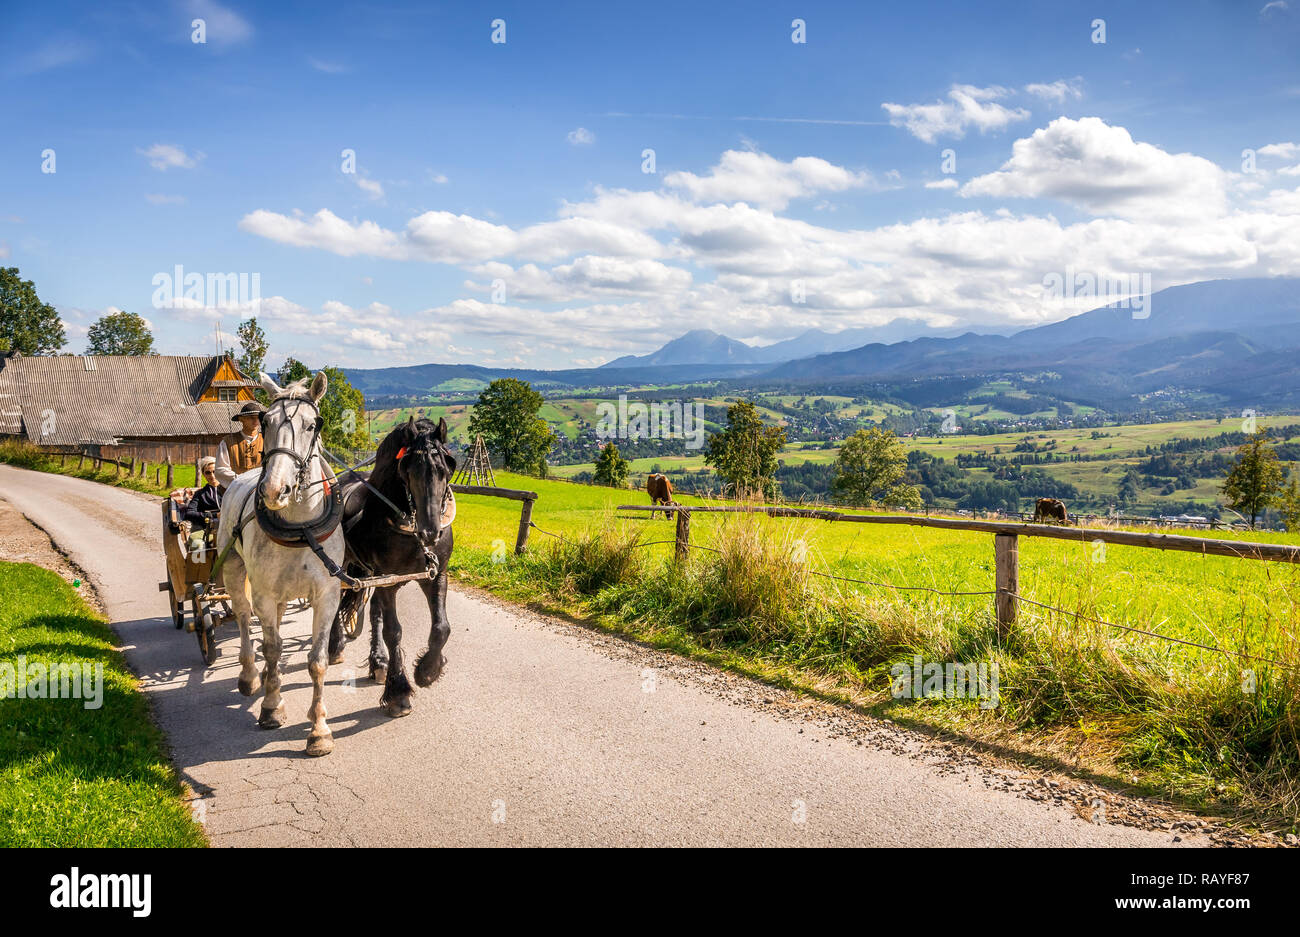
[
  {"x": 514, "y": 494},
  {"x": 1006, "y": 543}
]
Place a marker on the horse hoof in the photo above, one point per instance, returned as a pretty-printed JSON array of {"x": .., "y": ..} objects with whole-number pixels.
[
  {"x": 395, "y": 709},
  {"x": 336, "y": 658},
  {"x": 379, "y": 674},
  {"x": 424, "y": 676},
  {"x": 250, "y": 687},
  {"x": 272, "y": 719},
  {"x": 318, "y": 745}
]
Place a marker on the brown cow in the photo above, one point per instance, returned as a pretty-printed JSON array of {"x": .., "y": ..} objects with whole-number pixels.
[
  {"x": 1050, "y": 509},
  {"x": 660, "y": 490}
]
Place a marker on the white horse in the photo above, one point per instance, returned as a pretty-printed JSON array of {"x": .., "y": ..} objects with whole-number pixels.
[{"x": 262, "y": 575}]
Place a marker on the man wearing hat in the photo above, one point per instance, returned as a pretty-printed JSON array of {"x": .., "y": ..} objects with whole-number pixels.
[{"x": 241, "y": 451}]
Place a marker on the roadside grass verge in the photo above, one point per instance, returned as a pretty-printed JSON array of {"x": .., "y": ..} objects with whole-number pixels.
[
  {"x": 72, "y": 776},
  {"x": 25, "y": 455},
  {"x": 1213, "y": 731}
]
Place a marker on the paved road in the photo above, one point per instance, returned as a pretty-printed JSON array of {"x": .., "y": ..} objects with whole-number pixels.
[{"x": 539, "y": 733}]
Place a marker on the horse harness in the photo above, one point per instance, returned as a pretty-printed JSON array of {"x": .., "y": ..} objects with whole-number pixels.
[
  {"x": 404, "y": 523},
  {"x": 310, "y": 533}
]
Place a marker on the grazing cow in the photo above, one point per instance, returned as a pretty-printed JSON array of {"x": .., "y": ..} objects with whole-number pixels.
[
  {"x": 1050, "y": 509},
  {"x": 660, "y": 490}
]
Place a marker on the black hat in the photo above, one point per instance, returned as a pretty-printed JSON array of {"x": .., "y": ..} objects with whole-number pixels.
[{"x": 251, "y": 408}]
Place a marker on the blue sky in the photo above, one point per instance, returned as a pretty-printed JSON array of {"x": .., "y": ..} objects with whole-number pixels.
[{"x": 782, "y": 170}]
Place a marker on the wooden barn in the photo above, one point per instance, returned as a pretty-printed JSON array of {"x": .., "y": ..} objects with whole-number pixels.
[{"x": 122, "y": 407}]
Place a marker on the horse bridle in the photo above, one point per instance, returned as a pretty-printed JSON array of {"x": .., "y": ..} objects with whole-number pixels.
[
  {"x": 410, "y": 498},
  {"x": 309, "y": 533},
  {"x": 292, "y": 453}
]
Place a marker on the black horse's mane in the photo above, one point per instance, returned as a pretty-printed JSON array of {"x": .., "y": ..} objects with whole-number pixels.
[{"x": 404, "y": 434}]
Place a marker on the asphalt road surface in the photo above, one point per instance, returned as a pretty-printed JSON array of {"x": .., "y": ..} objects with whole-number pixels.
[{"x": 539, "y": 732}]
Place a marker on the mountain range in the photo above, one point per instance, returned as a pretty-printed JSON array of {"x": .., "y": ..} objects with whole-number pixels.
[
  {"x": 1236, "y": 340},
  {"x": 704, "y": 346}
]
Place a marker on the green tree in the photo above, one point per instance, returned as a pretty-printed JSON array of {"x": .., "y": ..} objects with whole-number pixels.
[
  {"x": 506, "y": 415},
  {"x": 253, "y": 347},
  {"x": 611, "y": 467},
  {"x": 343, "y": 408},
  {"x": 1130, "y": 488},
  {"x": 27, "y": 325},
  {"x": 744, "y": 454},
  {"x": 292, "y": 370},
  {"x": 1289, "y": 503},
  {"x": 120, "y": 333},
  {"x": 1255, "y": 481},
  {"x": 871, "y": 467}
]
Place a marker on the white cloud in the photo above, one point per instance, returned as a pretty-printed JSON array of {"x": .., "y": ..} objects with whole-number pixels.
[
  {"x": 55, "y": 53},
  {"x": 441, "y": 237},
  {"x": 942, "y": 184},
  {"x": 224, "y": 25},
  {"x": 1280, "y": 150},
  {"x": 1057, "y": 92},
  {"x": 370, "y": 186},
  {"x": 760, "y": 179},
  {"x": 967, "y": 106},
  {"x": 623, "y": 270},
  {"x": 437, "y": 178},
  {"x": 1275, "y": 7},
  {"x": 1102, "y": 170},
  {"x": 581, "y": 137},
  {"x": 164, "y": 156},
  {"x": 4, "y": 250},
  {"x": 158, "y": 199},
  {"x": 329, "y": 68},
  {"x": 1290, "y": 170}
]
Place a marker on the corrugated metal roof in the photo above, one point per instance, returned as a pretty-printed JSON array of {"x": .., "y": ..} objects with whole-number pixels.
[{"x": 68, "y": 400}]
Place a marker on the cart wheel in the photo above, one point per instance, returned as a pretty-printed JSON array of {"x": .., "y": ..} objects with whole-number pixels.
[
  {"x": 178, "y": 610},
  {"x": 356, "y": 623},
  {"x": 206, "y": 632}
]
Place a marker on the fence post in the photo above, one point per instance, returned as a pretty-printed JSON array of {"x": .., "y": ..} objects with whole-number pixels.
[
  {"x": 170, "y": 470},
  {"x": 1006, "y": 556},
  {"x": 525, "y": 518},
  {"x": 81, "y": 460},
  {"x": 683, "y": 535}
]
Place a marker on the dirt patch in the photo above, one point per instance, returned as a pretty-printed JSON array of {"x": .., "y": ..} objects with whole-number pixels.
[{"x": 21, "y": 541}]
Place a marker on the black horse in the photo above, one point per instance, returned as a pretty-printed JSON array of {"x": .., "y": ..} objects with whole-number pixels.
[{"x": 406, "y": 530}]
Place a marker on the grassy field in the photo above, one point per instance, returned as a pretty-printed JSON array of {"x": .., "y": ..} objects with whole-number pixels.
[
  {"x": 1122, "y": 446},
  {"x": 69, "y": 775},
  {"x": 1123, "y": 705}
]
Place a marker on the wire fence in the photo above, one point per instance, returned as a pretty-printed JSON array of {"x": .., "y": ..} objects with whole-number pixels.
[{"x": 1078, "y": 616}]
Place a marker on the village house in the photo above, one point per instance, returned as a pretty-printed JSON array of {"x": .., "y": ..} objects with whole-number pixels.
[{"x": 122, "y": 407}]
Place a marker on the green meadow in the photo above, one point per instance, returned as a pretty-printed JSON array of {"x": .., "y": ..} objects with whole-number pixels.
[{"x": 72, "y": 775}]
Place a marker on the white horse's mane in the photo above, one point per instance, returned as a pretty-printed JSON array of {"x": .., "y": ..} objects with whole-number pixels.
[{"x": 297, "y": 390}]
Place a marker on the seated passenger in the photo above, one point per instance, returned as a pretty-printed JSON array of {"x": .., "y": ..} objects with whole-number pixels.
[{"x": 206, "y": 499}]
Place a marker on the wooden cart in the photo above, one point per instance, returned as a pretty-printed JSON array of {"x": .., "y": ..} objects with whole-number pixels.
[{"x": 190, "y": 581}]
